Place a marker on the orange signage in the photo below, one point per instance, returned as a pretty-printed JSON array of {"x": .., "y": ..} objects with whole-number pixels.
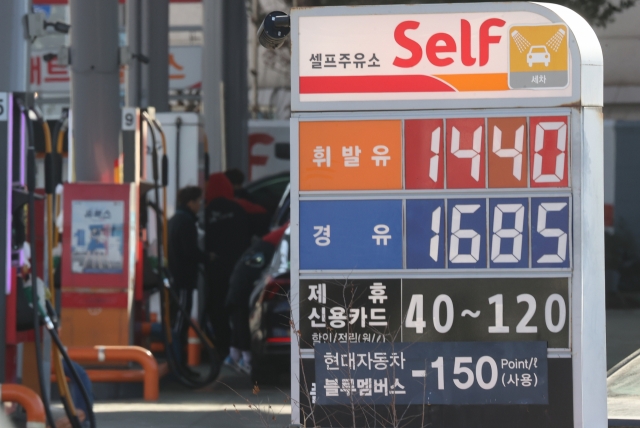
[{"x": 351, "y": 155}]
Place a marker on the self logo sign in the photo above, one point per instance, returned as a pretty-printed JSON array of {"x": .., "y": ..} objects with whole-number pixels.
[
  {"x": 441, "y": 47},
  {"x": 447, "y": 228}
]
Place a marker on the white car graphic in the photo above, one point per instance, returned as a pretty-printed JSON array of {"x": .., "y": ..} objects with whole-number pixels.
[{"x": 538, "y": 54}]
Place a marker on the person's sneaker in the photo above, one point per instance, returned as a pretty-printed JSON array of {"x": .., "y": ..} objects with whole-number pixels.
[
  {"x": 230, "y": 362},
  {"x": 244, "y": 367}
]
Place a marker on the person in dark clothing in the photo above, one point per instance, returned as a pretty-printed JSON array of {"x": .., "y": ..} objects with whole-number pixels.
[
  {"x": 236, "y": 177},
  {"x": 258, "y": 215},
  {"x": 245, "y": 273},
  {"x": 184, "y": 259},
  {"x": 227, "y": 235}
]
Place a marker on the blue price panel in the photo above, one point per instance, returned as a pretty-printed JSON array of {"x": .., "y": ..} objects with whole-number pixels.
[
  {"x": 458, "y": 373},
  {"x": 509, "y": 231},
  {"x": 467, "y": 233},
  {"x": 550, "y": 246},
  {"x": 425, "y": 234},
  {"x": 351, "y": 234}
]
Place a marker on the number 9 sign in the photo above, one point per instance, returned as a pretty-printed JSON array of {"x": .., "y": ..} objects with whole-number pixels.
[{"x": 129, "y": 117}]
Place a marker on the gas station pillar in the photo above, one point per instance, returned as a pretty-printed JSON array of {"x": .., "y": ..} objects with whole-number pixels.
[
  {"x": 212, "y": 79},
  {"x": 155, "y": 37},
  {"x": 95, "y": 88}
]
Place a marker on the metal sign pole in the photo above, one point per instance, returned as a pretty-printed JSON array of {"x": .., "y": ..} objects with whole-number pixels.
[{"x": 6, "y": 146}]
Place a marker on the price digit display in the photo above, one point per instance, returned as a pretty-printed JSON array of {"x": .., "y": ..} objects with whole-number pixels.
[
  {"x": 548, "y": 145},
  {"x": 467, "y": 236},
  {"x": 465, "y": 154},
  {"x": 550, "y": 232},
  {"x": 487, "y": 310},
  {"x": 508, "y": 155},
  {"x": 415, "y": 314},
  {"x": 509, "y": 229},
  {"x": 425, "y": 233},
  {"x": 424, "y": 154}
]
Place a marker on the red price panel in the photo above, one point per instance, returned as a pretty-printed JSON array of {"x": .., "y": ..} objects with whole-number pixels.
[
  {"x": 549, "y": 151},
  {"x": 465, "y": 153},
  {"x": 507, "y": 152},
  {"x": 424, "y": 154}
]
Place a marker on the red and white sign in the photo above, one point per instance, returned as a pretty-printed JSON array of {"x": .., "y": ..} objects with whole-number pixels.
[
  {"x": 264, "y": 138},
  {"x": 411, "y": 57},
  {"x": 185, "y": 71}
]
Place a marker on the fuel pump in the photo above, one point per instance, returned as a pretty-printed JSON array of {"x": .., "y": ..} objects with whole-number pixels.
[
  {"x": 43, "y": 311},
  {"x": 164, "y": 284}
]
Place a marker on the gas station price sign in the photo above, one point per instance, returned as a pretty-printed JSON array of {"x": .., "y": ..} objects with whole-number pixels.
[{"x": 447, "y": 211}]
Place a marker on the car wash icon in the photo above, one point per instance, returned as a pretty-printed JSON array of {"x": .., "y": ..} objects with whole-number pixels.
[{"x": 538, "y": 56}]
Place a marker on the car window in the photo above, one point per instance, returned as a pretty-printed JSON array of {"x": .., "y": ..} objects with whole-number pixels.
[
  {"x": 538, "y": 50},
  {"x": 280, "y": 263},
  {"x": 269, "y": 194}
]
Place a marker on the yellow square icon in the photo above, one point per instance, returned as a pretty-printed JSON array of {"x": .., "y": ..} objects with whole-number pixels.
[{"x": 538, "y": 56}]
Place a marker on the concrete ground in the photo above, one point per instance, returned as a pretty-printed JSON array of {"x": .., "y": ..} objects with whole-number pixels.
[{"x": 231, "y": 402}]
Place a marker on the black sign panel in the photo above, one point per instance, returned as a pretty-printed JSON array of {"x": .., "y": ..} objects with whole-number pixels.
[
  {"x": 557, "y": 414},
  {"x": 432, "y": 373},
  {"x": 487, "y": 310},
  {"x": 473, "y": 309},
  {"x": 349, "y": 311}
]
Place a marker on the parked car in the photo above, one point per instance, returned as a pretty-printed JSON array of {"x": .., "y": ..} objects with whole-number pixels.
[
  {"x": 268, "y": 191},
  {"x": 269, "y": 317},
  {"x": 281, "y": 214}
]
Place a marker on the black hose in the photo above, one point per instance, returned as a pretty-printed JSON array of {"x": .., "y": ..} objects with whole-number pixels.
[
  {"x": 52, "y": 327},
  {"x": 165, "y": 171},
  {"x": 166, "y": 293},
  {"x": 178, "y": 129},
  {"x": 31, "y": 184},
  {"x": 212, "y": 355}
]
